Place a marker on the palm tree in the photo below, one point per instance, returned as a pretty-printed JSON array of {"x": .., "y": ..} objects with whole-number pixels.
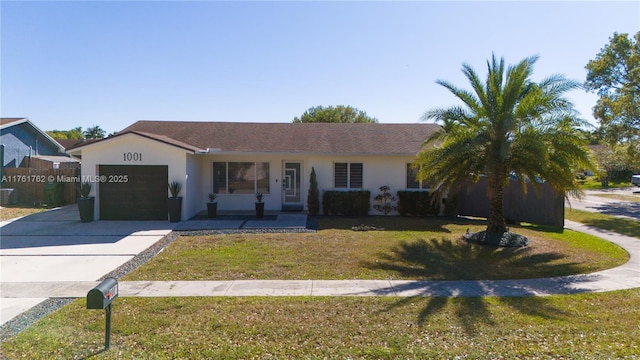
[
  {"x": 508, "y": 126},
  {"x": 94, "y": 132}
]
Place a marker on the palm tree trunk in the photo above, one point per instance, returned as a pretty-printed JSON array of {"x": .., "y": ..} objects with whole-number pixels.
[{"x": 495, "y": 222}]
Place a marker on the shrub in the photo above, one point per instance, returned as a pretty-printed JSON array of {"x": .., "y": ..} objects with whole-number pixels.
[
  {"x": 384, "y": 201},
  {"x": 350, "y": 203},
  {"x": 313, "y": 202},
  {"x": 84, "y": 189}
]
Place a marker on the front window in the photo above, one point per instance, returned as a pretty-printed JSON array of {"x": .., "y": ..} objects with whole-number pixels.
[
  {"x": 240, "y": 177},
  {"x": 347, "y": 175},
  {"x": 412, "y": 179}
]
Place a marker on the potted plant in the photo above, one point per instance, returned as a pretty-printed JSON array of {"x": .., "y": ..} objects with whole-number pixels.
[
  {"x": 259, "y": 206},
  {"x": 174, "y": 203},
  {"x": 212, "y": 207},
  {"x": 85, "y": 202}
]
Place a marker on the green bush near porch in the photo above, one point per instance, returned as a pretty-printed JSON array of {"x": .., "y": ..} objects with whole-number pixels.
[{"x": 349, "y": 203}]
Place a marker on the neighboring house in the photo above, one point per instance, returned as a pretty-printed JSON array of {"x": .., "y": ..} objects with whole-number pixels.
[
  {"x": 25, "y": 145},
  {"x": 70, "y": 144},
  {"x": 131, "y": 170}
]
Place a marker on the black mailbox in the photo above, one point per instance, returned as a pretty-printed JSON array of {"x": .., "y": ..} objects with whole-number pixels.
[{"x": 103, "y": 294}]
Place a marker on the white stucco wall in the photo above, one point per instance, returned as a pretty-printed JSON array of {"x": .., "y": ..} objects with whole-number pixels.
[
  {"x": 195, "y": 171},
  {"x": 192, "y": 198},
  {"x": 377, "y": 171},
  {"x": 114, "y": 151}
]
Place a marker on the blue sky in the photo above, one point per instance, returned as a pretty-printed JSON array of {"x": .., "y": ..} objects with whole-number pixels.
[{"x": 85, "y": 63}]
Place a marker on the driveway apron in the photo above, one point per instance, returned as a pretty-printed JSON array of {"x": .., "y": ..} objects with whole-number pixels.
[{"x": 54, "y": 247}]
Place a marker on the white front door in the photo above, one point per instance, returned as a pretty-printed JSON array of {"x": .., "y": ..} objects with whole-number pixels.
[{"x": 291, "y": 197}]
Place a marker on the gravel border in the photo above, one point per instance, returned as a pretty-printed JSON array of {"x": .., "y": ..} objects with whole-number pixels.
[{"x": 49, "y": 306}]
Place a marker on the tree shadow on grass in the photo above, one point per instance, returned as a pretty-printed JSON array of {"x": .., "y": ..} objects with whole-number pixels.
[
  {"x": 445, "y": 259},
  {"x": 543, "y": 228},
  {"x": 445, "y": 262},
  {"x": 474, "y": 313}
]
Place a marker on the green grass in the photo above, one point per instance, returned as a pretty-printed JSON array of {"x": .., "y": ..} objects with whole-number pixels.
[
  {"x": 586, "y": 326},
  {"x": 619, "y": 225},
  {"x": 408, "y": 248},
  {"x": 592, "y": 183},
  {"x": 18, "y": 210}
]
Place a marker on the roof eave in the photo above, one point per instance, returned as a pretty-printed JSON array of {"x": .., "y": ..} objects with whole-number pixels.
[
  {"x": 192, "y": 150},
  {"x": 302, "y": 153}
]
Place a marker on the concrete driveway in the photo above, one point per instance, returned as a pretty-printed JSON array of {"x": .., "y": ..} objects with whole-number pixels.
[
  {"x": 593, "y": 202},
  {"x": 54, "y": 246}
]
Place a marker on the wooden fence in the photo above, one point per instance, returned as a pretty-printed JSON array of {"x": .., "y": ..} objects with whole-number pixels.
[
  {"x": 36, "y": 163},
  {"x": 30, "y": 184},
  {"x": 544, "y": 207}
]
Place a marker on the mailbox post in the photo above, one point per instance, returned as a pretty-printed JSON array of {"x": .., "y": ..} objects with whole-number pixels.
[{"x": 101, "y": 297}]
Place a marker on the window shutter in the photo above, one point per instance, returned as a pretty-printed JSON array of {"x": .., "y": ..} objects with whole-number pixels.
[
  {"x": 340, "y": 175},
  {"x": 355, "y": 176}
]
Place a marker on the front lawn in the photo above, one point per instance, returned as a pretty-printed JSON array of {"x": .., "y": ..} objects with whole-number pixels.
[
  {"x": 8, "y": 212},
  {"x": 593, "y": 183},
  {"x": 407, "y": 248},
  {"x": 586, "y": 326}
]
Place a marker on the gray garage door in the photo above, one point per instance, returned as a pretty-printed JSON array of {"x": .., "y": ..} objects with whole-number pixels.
[{"x": 143, "y": 196}]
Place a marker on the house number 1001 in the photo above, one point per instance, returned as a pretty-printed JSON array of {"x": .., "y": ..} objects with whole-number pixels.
[{"x": 132, "y": 156}]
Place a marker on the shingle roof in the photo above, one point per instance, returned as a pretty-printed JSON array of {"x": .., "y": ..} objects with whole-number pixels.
[
  {"x": 69, "y": 144},
  {"x": 316, "y": 138},
  {"x": 8, "y": 121}
]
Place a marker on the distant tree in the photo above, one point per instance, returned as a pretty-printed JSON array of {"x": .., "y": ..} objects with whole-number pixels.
[
  {"x": 593, "y": 137},
  {"x": 616, "y": 163},
  {"x": 313, "y": 197},
  {"x": 507, "y": 126},
  {"x": 334, "y": 114},
  {"x": 94, "y": 132},
  {"x": 75, "y": 133},
  {"x": 615, "y": 75}
]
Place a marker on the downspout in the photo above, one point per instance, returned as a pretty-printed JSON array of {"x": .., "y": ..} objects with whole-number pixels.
[{"x": 1, "y": 161}]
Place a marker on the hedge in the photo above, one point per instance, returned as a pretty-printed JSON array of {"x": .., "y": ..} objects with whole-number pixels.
[{"x": 350, "y": 203}]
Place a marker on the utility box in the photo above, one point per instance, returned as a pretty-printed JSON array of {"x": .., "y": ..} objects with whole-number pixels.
[
  {"x": 8, "y": 196},
  {"x": 54, "y": 194},
  {"x": 103, "y": 294}
]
